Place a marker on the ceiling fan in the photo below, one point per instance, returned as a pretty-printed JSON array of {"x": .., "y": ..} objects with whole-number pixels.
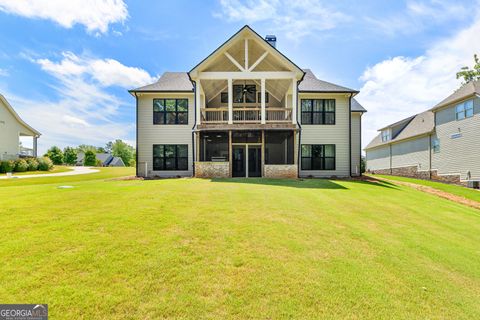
[{"x": 248, "y": 89}]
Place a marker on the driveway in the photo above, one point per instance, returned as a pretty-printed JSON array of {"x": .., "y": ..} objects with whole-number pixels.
[{"x": 75, "y": 171}]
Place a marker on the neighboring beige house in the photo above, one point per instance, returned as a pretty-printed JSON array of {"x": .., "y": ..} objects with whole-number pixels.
[
  {"x": 439, "y": 144},
  {"x": 247, "y": 110},
  {"x": 106, "y": 160},
  {"x": 11, "y": 129}
]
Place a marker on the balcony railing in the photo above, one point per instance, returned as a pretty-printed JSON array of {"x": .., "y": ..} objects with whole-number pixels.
[{"x": 246, "y": 115}]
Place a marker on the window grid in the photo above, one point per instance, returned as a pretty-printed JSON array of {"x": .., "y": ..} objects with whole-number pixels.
[
  {"x": 464, "y": 110},
  {"x": 318, "y": 111},
  {"x": 318, "y": 157},
  {"x": 170, "y": 111},
  {"x": 170, "y": 157}
]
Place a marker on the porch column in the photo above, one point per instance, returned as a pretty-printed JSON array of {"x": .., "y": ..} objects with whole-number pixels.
[
  {"x": 35, "y": 146},
  {"x": 294, "y": 101},
  {"x": 230, "y": 155},
  {"x": 263, "y": 113},
  {"x": 230, "y": 101},
  {"x": 198, "y": 92}
]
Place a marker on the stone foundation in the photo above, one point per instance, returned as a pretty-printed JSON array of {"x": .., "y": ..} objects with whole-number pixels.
[
  {"x": 283, "y": 171},
  {"x": 412, "y": 172},
  {"x": 452, "y": 178},
  {"x": 212, "y": 169}
]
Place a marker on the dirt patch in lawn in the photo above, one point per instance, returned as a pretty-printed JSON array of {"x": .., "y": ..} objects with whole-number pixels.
[{"x": 439, "y": 193}]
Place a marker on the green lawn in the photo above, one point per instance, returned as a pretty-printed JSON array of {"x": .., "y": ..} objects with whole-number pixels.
[
  {"x": 471, "y": 194},
  {"x": 56, "y": 169},
  {"x": 236, "y": 248}
]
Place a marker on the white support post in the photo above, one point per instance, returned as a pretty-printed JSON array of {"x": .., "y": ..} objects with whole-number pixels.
[
  {"x": 198, "y": 104},
  {"x": 230, "y": 101},
  {"x": 35, "y": 153},
  {"x": 263, "y": 112},
  {"x": 294, "y": 101},
  {"x": 246, "y": 53}
]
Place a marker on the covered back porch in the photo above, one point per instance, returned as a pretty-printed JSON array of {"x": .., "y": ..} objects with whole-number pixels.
[{"x": 270, "y": 153}]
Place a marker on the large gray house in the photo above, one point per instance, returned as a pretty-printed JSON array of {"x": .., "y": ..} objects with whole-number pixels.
[
  {"x": 439, "y": 144},
  {"x": 247, "y": 110}
]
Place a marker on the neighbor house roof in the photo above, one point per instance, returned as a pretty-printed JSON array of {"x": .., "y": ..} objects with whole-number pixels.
[
  {"x": 17, "y": 117},
  {"x": 169, "y": 82},
  {"x": 470, "y": 89},
  {"x": 418, "y": 125},
  {"x": 311, "y": 83}
]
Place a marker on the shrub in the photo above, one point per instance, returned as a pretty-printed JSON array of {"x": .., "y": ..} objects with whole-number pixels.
[
  {"x": 32, "y": 164},
  {"x": 55, "y": 154},
  {"x": 99, "y": 163},
  {"x": 132, "y": 163},
  {"x": 20, "y": 165},
  {"x": 70, "y": 156},
  {"x": 6, "y": 166},
  {"x": 45, "y": 164},
  {"x": 90, "y": 158}
]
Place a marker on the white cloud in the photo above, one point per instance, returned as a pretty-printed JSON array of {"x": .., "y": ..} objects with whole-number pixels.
[
  {"x": 86, "y": 110},
  {"x": 4, "y": 73},
  {"x": 296, "y": 18},
  {"x": 418, "y": 15},
  {"x": 403, "y": 86},
  {"x": 95, "y": 15}
]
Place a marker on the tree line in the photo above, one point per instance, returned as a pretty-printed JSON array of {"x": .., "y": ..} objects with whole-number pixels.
[{"x": 69, "y": 155}]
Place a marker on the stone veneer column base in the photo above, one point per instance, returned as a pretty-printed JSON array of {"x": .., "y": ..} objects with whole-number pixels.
[
  {"x": 212, "y": 169},
  {"x": 281, "y": 171}
]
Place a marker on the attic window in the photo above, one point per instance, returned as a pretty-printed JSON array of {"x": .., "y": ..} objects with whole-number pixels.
[
  {"x": 464, "y": 110},
  {"x": 386, "y": 135}
]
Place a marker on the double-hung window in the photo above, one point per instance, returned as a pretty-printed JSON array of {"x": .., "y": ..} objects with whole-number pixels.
[
  {"x": 436, "y": 145},
  {"x": 170, "y": 111},
  {"x": 318, "y": 157},
  {"x": 386, "y": 135},
  {"x": 170, "y": 157},
  {"x": 318, "y": 111},
  {"x": 464, "y": 110}
]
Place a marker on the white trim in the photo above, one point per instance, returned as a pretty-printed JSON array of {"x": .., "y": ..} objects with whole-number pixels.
[
  {"x": 246, "y": 54},
  {"x": 230, "y": 101},
  {"x": 198, "y": 91},
  {"x": 258, "y": 61},
  {"x": 294, "y": 101},
  {"x": 232, "y": 59},
  {"x": 262, "y": 103},
  {"x": 247, "y": 75}
]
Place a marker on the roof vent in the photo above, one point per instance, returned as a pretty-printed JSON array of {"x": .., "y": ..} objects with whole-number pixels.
[{"x": 271, "y": 39}]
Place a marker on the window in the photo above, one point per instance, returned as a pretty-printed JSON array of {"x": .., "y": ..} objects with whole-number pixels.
[
  {"x": 170, "y": 111},
  {"x": 224, "y": 97},
  {"x": 318, "y": 111},
  {"x": 436, "y": 145},
  {"x": 237, "y": 93},
  {"x": 170, "y": 157},
  {"x": 464, "y": 110},
  {"x": 386, "y": 135},
  {"x": 318, "y": 157},
  {"x": 259, "y": 98}
]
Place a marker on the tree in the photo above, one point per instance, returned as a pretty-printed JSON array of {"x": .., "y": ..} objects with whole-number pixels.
[
  {"x": 122, "y": 150},
  {"x": 85, "y": 147},
  {"x": 90, "y": 158},
  {"x": 55, "y": 154},
  {"x": 468, "y": 74},
  {"x": 70, "y": 155}
]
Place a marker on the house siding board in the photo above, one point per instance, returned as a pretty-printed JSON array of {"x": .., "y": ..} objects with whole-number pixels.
[
  {"x": 150, "y": 134},
  {"x": 378, "y": 158},
  {"x": 10, "y": 130},
  {"x": 413, "y": 152},
  {"x": 337, "y": 134},
  {"x": 446, "y": 162},
  {"x": 356, "y": 142}
]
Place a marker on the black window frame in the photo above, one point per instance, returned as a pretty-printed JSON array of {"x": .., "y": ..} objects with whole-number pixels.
[
  {"x": 259, "y": 97},
  {"x": 323, "y": 113},
  {"x": 224, "y": 97},
  {"x": 235, "y": 87},
  {"x": 164, "y": 158},
  {"x": 322, "y": 157},
  {"x": 166, "y": 112}
]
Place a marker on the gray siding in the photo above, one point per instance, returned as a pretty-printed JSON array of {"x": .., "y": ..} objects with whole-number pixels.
[
  {"x": 413, "y": 152},
  {"x": 458, "y": 155},
  {"x": 356, "y": 142},
  {"x": 150, "y": 134},
  {"x": 337, "y": 134},
  {"x": 378, "y": 158}
]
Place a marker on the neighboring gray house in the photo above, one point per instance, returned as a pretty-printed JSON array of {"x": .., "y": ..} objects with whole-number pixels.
[
  {"x": 106, "y": 159},
  {"x": 439, "y": 144},
  {"x": 246, "y": 110}
]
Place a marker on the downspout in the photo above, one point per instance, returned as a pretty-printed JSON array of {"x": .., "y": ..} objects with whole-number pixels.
[
  {"x": 430, "y": 156},
  {"x": 194, "y": 122},
  {"x": 391, "y": 169},
  {"x": 299, "y": 152},
  {"x": 350, "y": 134},
  {"x": 136, "y": 135},
  {"x": 360, "y": 148}
]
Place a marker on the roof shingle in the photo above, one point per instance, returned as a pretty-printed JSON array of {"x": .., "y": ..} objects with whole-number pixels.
[{"x": 169, "y": 82}]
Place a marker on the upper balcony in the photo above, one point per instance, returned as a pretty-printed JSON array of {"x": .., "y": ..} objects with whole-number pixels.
[{"x": 245, "y": 115}]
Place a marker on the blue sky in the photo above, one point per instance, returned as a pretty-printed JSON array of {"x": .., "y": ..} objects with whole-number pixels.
[{"x": 65, "y": 66}]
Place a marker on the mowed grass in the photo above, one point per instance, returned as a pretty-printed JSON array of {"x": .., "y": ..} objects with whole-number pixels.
[
  {"x": 468, "y": 193},
  {"x": 237, "y": 249}
]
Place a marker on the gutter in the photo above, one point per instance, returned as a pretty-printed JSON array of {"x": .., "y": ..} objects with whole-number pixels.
[
  {"x": 299, "y": 152},
  {"x": 350, "y": 134},
  {"x": 194, "y": 122},
  {"x": 136, "y": 134}
]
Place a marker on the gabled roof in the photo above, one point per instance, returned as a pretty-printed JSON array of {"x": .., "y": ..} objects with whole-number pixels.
[
  {"x": 470, "y": 89},
  {"x": 247, "y": 28},
  {"x": 311, "y": 83},
  {"x": 169, "y": 82},
  {"x": 419, "y": 124},
  {"x": 16, "y": 116},
  {"x": 398, "y": 123},
  {"x": 356, "y": 106}
]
